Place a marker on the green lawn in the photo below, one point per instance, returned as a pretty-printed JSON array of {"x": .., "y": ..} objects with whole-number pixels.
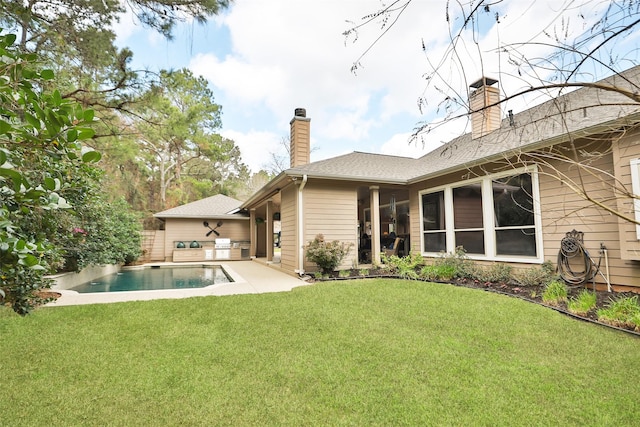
[{"x": 374, "y": 352}]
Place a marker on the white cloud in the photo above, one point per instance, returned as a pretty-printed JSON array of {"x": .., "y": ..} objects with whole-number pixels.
[
  {"x": 264, "y": 59},
  {"x": 401, "y": 144},
  {"x": 286, "y": 54}
]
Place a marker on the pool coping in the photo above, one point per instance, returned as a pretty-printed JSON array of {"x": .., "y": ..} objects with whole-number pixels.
[{"x": 248, "y": 277}]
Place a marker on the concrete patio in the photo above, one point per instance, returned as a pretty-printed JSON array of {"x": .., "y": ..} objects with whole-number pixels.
[{"x": 249, "y": 277}]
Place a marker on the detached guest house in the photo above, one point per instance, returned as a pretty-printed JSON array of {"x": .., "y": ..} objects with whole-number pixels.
[{"x": 509, "y": 191}]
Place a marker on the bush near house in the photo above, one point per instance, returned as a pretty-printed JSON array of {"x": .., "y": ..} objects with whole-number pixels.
[{"x": 327, "y": 255}]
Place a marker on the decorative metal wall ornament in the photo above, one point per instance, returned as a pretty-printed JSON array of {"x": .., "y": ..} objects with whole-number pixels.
[{"x": 212, "y": 230}]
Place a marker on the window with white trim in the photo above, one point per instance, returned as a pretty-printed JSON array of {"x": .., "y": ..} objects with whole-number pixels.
[
  {"x": 635, "y": 187},
  {"x": 433, "y": 225},
  {"x": 514, "y": 215},
  {"x": 467, "y": 218},
  {"x": 493, "y": 217}
]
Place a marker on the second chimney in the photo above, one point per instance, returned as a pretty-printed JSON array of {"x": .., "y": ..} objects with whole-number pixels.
[
  {"x": 485, "y": 107},
  {"x": 300, "y": 148}
]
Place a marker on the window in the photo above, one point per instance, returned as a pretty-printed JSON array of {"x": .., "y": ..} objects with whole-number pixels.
[
  {"x": 467, "y": 218},
  {"x": 434, "y": 234},
  {"x": 513, "y": 212},
  {"x": 491, "y": 218},
  {"x": 635, "y": 187}
]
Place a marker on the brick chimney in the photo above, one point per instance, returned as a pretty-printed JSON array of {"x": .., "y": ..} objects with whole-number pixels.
[
  {"x": 300, "y": 148},
  {"x": 485, "y": 116}
]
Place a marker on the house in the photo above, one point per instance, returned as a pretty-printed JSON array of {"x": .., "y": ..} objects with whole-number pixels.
[
  {"x": 508, "y": 191},
  {"x": 206, "y": 230}
]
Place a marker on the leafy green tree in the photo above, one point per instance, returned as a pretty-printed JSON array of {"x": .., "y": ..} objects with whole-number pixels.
[
  {"x": 76, "y": 40},
  {"x": 177, "y": 137},
  {"x": 40, "y": 158}
]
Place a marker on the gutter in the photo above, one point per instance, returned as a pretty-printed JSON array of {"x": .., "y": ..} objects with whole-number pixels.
[
  {"x": 349, "y": 178},
  {"x": 300, "y": 270}
]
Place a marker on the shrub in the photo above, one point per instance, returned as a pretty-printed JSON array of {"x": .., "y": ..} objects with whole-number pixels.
[
  {"x": 584, "y": 302},
  {"x": 344, "y": 273},
  {"x": 42, "y": 166},
  {"x": 555, "y": 292},
  {"x": 364, "y": 272},
  {"x": 537, "y": 276},
  {"x": 497, "y": 273},
  {"x": 326, "y": 255},
  {"x": 406, "y": 266},
  {"x": 623, "y": 312},
  {"x": 443, "y": 272},
  {"x": 456, "y": 264}
]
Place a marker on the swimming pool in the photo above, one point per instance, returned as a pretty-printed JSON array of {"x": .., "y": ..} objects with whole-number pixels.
[{"x": 157, "y": 278}]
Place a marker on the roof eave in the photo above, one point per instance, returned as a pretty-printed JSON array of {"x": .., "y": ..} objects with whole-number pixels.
[
  {"x": 214, "y": 216},
  {"x": 609, "y": 126},
  {"x": 335, "y": 177},
  {"x": 266, "y": 189}
]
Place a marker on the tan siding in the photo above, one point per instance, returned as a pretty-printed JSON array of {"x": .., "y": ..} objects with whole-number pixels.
[
  {"x": 414, "y": 219},
  {"x": 300, "y": 148},
  {"x": 187, "y": 229},
  {"x": 485, "y": 119},
  {"x": 624, "y": 150},
  {"x": 289, "y": 235},
  {"x": 331, "y": 210},
  {"x": 153, "y": 245},
  {"x": 564, "y": 210}
]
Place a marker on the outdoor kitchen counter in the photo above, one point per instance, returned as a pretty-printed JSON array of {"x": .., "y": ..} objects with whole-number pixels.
[{"x": 210, "y": 251}]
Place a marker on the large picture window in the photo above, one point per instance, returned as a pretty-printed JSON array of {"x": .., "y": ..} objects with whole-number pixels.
[{"x": 491, "y": 218}]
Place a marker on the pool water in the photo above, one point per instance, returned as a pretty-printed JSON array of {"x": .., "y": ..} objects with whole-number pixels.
[{"x": 154, "y": 278}]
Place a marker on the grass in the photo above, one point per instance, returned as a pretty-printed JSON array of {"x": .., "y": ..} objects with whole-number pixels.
[
  {"x": 357, "y": 352},
  {"x": 554, "y": 293},
  {"x": 583, "y": 303},
  {"x": 622, "y": 312}
]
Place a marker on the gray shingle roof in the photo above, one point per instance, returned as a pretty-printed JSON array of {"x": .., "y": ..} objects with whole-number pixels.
[
  {"x": 584, "y": 111},
  {"x": 360, "y": 166},
  {"x": 218, "y": 206}
]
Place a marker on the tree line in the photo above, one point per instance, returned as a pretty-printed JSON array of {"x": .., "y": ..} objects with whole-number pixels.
[{"x": 157, "y": 131}]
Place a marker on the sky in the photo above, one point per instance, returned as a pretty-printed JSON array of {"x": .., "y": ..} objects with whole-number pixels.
[{"x": 265, "y": 59}]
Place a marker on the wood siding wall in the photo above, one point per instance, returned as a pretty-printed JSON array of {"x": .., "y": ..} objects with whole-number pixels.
[
  {"x": 289, "y": 229},
  {"x": 624, "y": 150},
  {"x": 186, "y": 230},
  {"x": 153, "y": 245},
  {"x": 331, "y": 210},
  {"x": 564, "y": 210},
  {"x": 300, "y": 148},
  {"x": 485, "y": 119}
]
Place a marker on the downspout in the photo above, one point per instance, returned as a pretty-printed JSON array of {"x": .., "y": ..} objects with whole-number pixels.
[{"x": 301, "y": 227}]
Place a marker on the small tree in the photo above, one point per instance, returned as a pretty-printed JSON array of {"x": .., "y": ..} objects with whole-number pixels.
[{"x": 327, "y": 255}]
